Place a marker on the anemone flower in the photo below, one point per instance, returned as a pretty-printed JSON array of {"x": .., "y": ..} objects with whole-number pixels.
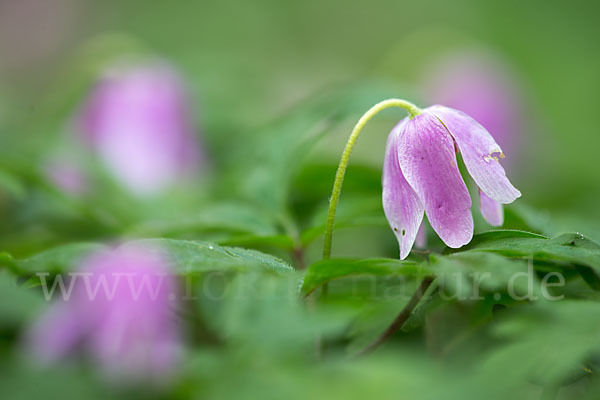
[
  {"x": 67, "y": 177},
  {"x": 138, "y": 121},
  {"x": 421, "y": 175},
  {"x": 119, "y": 314},
  {"x": 482, "y": 86}
]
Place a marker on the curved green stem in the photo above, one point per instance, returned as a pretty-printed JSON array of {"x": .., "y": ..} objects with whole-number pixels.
[{"x": 339, "y": 175}]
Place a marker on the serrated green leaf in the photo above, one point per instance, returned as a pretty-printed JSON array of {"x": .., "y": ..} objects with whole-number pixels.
[
  {"x": 186, "y": 255},
  {"x": 552, "y": 341},
  {"x": 194, "y": 256},
  {"x": 569, "y": 247}
]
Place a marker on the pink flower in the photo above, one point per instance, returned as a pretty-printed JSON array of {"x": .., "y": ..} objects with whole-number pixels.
[
  {"x": 67, "y": 176},
  {"x": 138, "y": 121},
  {"x": 483, "y": 87},
  {"x": 421, "y": 176},
  {"x": 119, "y": 313}
]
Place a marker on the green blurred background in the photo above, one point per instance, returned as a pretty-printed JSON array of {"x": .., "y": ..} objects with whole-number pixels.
[{"x": 247, "y": 62}]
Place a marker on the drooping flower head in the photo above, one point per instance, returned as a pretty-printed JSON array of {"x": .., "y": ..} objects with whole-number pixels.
[
  {"x": 421, "y": 175},
  {"x": 119, "y": 313},
  {"x": 482, "y": 86},
  {"x": 138, "y": 120}
]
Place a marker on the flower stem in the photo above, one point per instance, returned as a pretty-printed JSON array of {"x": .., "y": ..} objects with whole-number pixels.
[
  {"x": 402, "y": 317},
  {"x": 339, "y": 175}
]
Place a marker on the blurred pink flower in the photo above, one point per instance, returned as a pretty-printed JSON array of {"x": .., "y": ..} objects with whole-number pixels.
[
  {"x": 67, "y": 177},
  {"x": 484, "y": 88},
  {"x": 119, "y": 313},
  {"x": 138, "y": 120}
]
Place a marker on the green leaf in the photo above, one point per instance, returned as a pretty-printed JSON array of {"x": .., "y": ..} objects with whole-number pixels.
[
  {"x": 469, "y": 275},
  {"x": 325, "y": 271},
  {"x": 56, "y": 260},
  {"x": 186, "y": 255},
  {"x": 502, "y": 240},
  {"x": 254, "y": 304},
  {"x": 194, "y": 256},
  {"x": 280, "y": 241},
  {"x": 569, "y": 247},
  {"x": 551, "y": 341},
  {"x": 377, "y": 313}
]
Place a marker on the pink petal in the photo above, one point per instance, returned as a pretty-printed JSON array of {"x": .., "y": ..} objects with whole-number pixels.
[
  {"x": 491, "y": 210},
  {"x": 483, "y": 86},
  {"x": 121, "y": 313},
  {"x": 480, "y": 153},
  {"x": 68, "y": 177},
  {"x": 421, "y": 241},
  {"x": 57, "y": 333},
  {"x": 401, "y": 205},
  {"x": 138, "y": 121},
  {"x": 428, "y": 161}
]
